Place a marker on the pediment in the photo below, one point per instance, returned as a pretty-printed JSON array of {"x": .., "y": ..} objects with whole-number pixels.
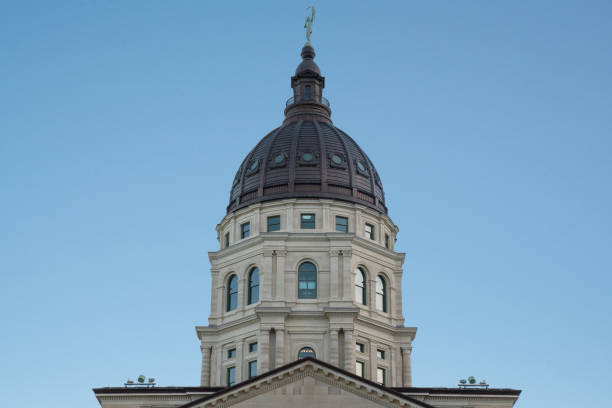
[{"x": 309, "y": 383}]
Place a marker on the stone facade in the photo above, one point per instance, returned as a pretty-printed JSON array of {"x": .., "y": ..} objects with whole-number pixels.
[{"x": 281, "y": 323}]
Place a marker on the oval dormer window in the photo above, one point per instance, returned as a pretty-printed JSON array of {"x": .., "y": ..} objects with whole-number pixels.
[{"x": 307, "y": 93}]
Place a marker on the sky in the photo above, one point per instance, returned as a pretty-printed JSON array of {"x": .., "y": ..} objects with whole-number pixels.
[{"x": 122, "y": 124}]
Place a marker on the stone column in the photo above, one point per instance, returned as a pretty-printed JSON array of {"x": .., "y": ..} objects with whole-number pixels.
[
  {"x": 280, "y": 346},
  {"x": 333, "y": 348},
  {"x": 205, "y": 378},
  {"x": 349, "y": 351},
  {"x": 406, "y": 366},
  {"x": 263, "y": 351}
]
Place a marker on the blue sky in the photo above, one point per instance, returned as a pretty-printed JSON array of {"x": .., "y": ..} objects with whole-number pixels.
[{"x": 122, "y": 125}]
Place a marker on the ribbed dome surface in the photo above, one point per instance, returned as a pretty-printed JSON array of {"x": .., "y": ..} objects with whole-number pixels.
[{"x": 307, "y": 159}]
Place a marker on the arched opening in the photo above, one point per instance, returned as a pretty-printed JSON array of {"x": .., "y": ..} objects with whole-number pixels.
[
  {"x": 307, "y": 352},
  {"x": 381, "y": 293},
  {"x": 232, "y": 293},
  {"x": 253, "y": 296},
  {"x": 360, "y": 286},
  {"x": 307, "y": 281},
  {"x": 308, "y": 93}
]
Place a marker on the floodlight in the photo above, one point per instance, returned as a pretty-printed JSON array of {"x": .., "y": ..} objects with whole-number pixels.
[
  {"x": 141, "y": 378},
  {"x": 471, "y": 379}
]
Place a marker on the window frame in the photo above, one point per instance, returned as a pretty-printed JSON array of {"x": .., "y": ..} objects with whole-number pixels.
[
  {"x": 227, "y": 240},
  {"x": 384, "y": 375},
  {"x": 361, "y": 290},
  {"x": 232, "y": 370},
  {"x": 387, "y": 241},
  {"x": 346, "y": 226},
  {"x": 253, "y": 347},
  {"x": 253, "y": 287},
  {"x": 250, "y": 365},
  {"x": 371, "y": 235},
  {"x": 380, "y": 354},
  {"x": 279, "y": 223},
  {"x": 302, "y": 221},
  {"x": 231, "y": 353},
  {"x": 245, "y": 232},
  {"x": 361, "y": 364},
  {"x": 360, "y": 347},
  {"x": 381, "y": 294},
  {"x": 229, "y": 294},
  {"x": 305, "y": 293}
]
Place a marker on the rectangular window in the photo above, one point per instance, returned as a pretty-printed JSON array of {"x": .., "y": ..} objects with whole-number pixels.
[
  {"x": 341, "y": 224},
  {"x": 231, "y": 353},
  {"x": 226, "y": 239},
  {"x": 369, "y": 231},
  {"x": 231, "y": 376},
  {"x": 252, "y": 347},
  {"x": 307, "y": 221},
  {"x": 380, "y": 354},
  {"x": 387, "y": 241},
  {"x": 359, "y": 347},
  {"x": 274, "y": 223},
  {"x": 252, "y": 369},
  {"x": 380, "y": 376},
  {"x": 245, "y": 230},
  {"x": 360, "y": 368}
]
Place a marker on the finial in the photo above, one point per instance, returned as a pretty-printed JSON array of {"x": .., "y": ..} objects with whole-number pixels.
[{"x": 308, "y": 23}]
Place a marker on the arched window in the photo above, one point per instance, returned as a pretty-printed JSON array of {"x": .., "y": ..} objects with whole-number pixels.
[
  {"x": 253, "y": 286},
  {"x": 360, "y": 286},
  {"x": 307, "y": 93},
  {"x": 306, "y": 352},
  {"x": 307, "y": 281},
  {"x": 381, "y": 293},
  {"x": 232, "y": 292}
]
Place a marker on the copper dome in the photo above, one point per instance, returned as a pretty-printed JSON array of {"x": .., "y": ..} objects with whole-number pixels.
[{"x": 307, "y": 157}]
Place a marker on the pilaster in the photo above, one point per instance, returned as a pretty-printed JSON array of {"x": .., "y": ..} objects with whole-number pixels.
[
  {"x": 406, "y": 365},
  {"x": 263, "y": 350},
  {"x": 205, "y": 377},
  {"x": 349, "y": 351},
  {"x": 280, "y": 346},
  {"x": 373, "y": 361},
  {"x": 333, "y": 347}
]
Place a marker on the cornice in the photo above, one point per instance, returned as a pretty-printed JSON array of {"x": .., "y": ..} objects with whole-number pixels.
[
  {"x": 202, "y": 330},
  {"x": 368, "y": 321}
]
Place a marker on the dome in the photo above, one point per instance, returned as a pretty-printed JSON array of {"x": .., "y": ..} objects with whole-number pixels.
[{"x": 307, "y": 156}]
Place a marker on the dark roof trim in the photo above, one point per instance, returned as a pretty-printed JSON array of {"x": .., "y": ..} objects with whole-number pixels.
[
  {"x": 153, "y": 390},
  {"x": 461, "y": 391},
  {"x": 296, "y": 363}
]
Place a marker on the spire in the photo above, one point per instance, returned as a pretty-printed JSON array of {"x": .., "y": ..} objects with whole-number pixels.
[{"x": 307, "y": 102}]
